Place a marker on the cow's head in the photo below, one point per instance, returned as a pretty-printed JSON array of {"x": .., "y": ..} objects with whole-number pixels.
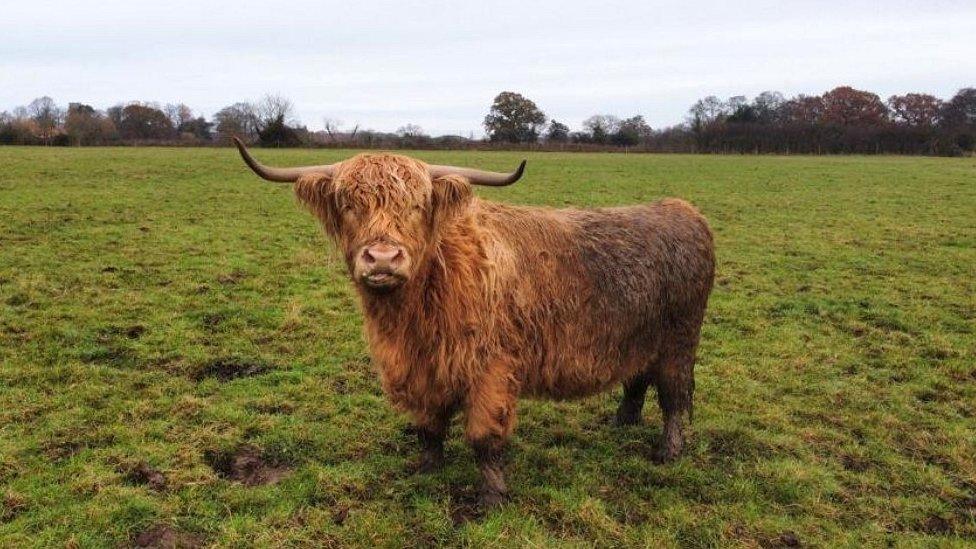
[{"x": 384, "y": 210}]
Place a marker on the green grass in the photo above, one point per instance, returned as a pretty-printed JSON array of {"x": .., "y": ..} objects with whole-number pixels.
[{"x": 836, "y": 400}]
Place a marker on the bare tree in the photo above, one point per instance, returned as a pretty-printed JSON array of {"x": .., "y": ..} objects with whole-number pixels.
[
  {"x": 275, "y": 109},
  {"x": 602, "y": 127},
  {"x": 332, "y": 127},
  {"x": 410, "y": 130},
  {"x": 47, "y": 115},
  {"x": 768, "y": 106},
  {"x": 707, "y": 110},
  {"x": 734, "y": 103},
  {"x": 179, "y": 114},
  {"x": 276, "y": 124},
  {"x": 804, "y": 109},
  {"x": 239, "y": 119}
]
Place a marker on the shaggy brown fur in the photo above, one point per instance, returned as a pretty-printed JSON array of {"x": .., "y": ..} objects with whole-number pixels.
[{"x": 504, "y": 301}]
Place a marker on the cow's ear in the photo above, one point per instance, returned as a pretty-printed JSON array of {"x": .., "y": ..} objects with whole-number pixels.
[
  {"x": 452, "y": 195},
  {"x": 315, "y": 192}
]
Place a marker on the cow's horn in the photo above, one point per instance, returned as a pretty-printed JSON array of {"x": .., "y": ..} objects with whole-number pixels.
[
  {"x": 282, "y": 175},
  {"x": 478, "y": 177}
]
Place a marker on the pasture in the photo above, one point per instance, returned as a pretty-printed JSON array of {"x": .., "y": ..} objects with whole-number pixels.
[{"x": 181, "y": 359}]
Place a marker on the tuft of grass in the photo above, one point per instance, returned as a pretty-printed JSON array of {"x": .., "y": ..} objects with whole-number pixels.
[{"x": 168, "y": 321}]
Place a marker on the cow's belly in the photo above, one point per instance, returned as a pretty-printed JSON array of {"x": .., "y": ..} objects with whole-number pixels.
[{"x": 587, "y": 365}]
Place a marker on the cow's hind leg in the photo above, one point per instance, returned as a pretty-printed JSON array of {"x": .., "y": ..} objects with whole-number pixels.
[
  {"x": 632, "y": 403},
  {"x": 675, "y": 382}
]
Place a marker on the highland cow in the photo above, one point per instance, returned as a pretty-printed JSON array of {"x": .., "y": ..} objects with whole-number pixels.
[{"x": 470, "y": 304}]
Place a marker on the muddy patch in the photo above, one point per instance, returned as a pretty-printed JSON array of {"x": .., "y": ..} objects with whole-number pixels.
[
  {"x": 211, "y": 321},
  {"x": 247, "y": 465},
  {"x": 232, "y": 277},
  {"x": 166, "y": 537},
  {"x": 340, "y": 515},
  {"x": 936, "y": 525},
  {"x": 856, "y": 464},
  {"x": 227, "y": 369},
  {"x": 63, "y": 449},
  {"x": 143, "y": 474},
  {"x": 111, "y": 333},
  {"x": 11, "y": 505},
  {"x": 65, "y": 446},
  {"x": 135, "y": 331},
  {"x": 465, "y": 506}
]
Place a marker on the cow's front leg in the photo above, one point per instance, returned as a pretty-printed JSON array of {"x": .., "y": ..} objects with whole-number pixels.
[
  {"x": 490, "y": 420},
  {"x": 431, "y": 432}
]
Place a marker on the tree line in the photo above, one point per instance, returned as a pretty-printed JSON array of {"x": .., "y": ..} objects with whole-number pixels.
[{"x": 842, "y": 120}]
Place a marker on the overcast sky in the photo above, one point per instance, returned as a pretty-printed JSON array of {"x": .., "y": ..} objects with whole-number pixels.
[{"x": 439, "y": 64}]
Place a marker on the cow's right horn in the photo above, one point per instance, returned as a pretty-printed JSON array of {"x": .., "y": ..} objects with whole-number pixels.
[
  {"x": 478, "y": 177},
  {"x": 281, "y": 175}
]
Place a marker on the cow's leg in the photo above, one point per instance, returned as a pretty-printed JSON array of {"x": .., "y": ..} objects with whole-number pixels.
[
  {"x": 490, "y": 420},
  {"x": 635, "y": 389},
  {"x": 675, "y": 381},
  {"x": 431, "y": 431}
]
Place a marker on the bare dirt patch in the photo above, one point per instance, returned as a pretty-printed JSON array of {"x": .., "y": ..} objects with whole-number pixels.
[
  {"x": 142, "y": 473},
  {"x": 246, "y": 465},
  {"x": 68, "y": 444},
  {"x": 936, "y": 525},
  {"x": 465, "y": 506},
  {"x": 227, "y": 369},
  {"x": 63, "y": 449},
  {"x": 167, "y": 537},
  {"x": 340, "y": 515},
  {"x": 232, "y": 277},
  {"x": 110, "y": 333},
  {"x": 11, "y": 505},
  {"x": 786, "y": 539}
]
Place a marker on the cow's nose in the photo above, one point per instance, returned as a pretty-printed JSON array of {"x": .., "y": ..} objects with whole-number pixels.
[{"x": 382, "y": 256}]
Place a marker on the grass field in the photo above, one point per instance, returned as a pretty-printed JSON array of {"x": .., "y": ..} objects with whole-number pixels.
[{"x": 181, "y": 359}]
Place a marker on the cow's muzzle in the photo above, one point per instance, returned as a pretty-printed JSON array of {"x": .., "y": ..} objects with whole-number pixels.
[{"x": 382, "y": 266}]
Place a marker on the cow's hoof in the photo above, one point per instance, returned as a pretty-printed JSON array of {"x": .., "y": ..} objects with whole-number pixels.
[
  {"x": 667, "y": 452},
  {"x": 663, "y": 456}
]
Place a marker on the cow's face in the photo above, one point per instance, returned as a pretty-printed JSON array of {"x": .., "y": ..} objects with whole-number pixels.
[{"x": 385, "y": 212}]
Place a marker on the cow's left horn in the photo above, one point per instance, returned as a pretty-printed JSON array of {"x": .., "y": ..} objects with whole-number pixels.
[
  {"x": 281, "y": 175},
  {"x": 478, "y": 177}
]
